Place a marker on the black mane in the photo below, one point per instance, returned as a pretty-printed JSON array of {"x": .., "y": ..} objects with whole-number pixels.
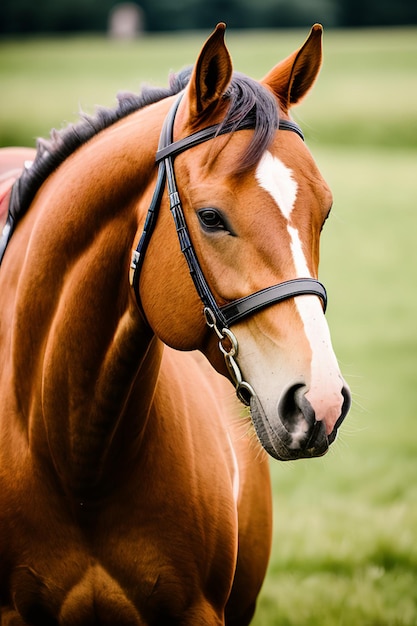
[
  {"x": 61, "y": 144},
  {"x": 249, "y": 102}
]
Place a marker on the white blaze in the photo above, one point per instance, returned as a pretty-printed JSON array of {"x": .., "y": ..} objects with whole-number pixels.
[{"x": 278, "y": 180}]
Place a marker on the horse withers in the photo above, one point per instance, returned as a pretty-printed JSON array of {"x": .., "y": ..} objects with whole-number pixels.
[{"x": 151, "y": 255}]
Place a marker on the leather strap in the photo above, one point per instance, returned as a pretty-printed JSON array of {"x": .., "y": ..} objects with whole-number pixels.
[
  {"x": 176, "y": 147},
  {"x": 239, "y": 309},
  {"x": 6, "y": 204}
]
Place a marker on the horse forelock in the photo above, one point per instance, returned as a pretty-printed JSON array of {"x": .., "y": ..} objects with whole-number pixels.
[{"x": 251, "y": 103}]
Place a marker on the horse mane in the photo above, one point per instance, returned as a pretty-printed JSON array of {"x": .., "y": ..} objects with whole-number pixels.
[{"x": 249, "y": 101}]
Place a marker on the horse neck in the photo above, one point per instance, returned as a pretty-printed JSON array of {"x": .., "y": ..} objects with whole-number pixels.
[{"x": 75, "y": 313}]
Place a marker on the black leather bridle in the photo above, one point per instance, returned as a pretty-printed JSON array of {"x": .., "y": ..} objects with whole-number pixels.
[{"x": 220, "y": 318}]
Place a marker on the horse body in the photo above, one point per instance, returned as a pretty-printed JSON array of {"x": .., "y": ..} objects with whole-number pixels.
[
  {"x": 136, "y": 539},
  {"x": 115, "y": 460},
  {"x": 132, "y": 490},
  {"x": 101, "y": 424}
]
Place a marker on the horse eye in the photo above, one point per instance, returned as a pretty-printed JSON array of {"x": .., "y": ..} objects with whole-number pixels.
[{"x": 211, "y": 219}]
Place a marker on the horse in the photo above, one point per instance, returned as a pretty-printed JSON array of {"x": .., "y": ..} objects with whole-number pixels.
[{"x": 162, "y": 335}]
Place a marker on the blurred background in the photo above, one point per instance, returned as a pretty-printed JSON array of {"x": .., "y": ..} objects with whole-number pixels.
[
  {"x": 50, "y": 16},
  {"x": 345, "y": 529}
]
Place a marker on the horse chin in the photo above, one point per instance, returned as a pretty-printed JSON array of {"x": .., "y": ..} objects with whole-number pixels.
[{"x": 278, "y": 442}]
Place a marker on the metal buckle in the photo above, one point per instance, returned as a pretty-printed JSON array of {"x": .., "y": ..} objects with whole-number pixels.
[{"x": 229, "y": 347}]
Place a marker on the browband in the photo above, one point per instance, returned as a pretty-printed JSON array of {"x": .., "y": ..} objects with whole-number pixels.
[{"x": 215, "y": 131}]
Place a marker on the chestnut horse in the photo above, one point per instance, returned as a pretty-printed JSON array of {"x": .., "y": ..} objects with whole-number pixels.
[{"x": 133, "y": 490}]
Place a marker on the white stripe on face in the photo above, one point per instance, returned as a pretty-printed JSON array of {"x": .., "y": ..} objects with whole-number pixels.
[
  {"x": 318, "y": 335},
  {"x": 300, "y": 263},
  {"x": 277, "y": 179}
]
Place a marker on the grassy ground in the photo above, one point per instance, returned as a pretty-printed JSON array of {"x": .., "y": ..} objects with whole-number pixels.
[
  {"x": 345, "y": 545},
  {"x": 345, "y": 548}
]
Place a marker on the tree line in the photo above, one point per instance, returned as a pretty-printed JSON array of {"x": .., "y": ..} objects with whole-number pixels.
[{"x": 18, "y": 17}]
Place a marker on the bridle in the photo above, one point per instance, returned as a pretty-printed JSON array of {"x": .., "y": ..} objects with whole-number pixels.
[{"x": 219, "y": 318}]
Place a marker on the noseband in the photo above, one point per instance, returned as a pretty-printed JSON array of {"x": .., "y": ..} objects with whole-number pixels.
[{"x": 219, "y": 318}]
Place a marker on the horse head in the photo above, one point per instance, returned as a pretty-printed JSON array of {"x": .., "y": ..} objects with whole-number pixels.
[{"x": 254, "y": 204}]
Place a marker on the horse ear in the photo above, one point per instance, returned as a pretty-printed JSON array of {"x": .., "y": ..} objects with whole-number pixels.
[
  {"x": 211, "y": 75},
  {"x": 291, "y": 79}
]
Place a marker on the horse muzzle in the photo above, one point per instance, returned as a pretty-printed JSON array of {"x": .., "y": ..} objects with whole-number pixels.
[{"x": 295, "y": 432}]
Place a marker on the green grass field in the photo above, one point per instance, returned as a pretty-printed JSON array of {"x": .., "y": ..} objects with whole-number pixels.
[{"x": 345, "y": 539}]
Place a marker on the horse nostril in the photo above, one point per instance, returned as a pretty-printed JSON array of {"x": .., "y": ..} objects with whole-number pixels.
[
  {"x": 298, "y": 417},
  {"x": 288, "y": 408},
  {"x": 294, "y": 409}
]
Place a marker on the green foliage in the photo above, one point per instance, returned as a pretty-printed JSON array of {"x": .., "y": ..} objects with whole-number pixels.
[{"x": 345, "y": 544}]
